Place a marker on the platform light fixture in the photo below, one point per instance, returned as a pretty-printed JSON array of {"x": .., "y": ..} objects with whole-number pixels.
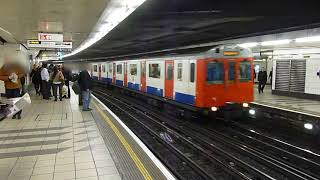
[
  {"x": 308, "y": 126},
  {"x": 308, "y": 39},
  {"x": 276, "y": 42},
  {"x": 249, "y": 45},
  {"x": 113, "y": 14}
]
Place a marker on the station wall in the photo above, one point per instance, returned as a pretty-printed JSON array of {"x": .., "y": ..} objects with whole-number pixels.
[
  {"x": 312, "y": 67},
  {"x": 312, "y": 85}
]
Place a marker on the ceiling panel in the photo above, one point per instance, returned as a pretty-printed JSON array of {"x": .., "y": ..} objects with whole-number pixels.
[
  {"x": 165, "y": 24},
  {"x": 74, "y": 18}
]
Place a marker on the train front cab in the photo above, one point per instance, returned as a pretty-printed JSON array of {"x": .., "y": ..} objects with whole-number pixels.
[{"x": 224, "y": 85}]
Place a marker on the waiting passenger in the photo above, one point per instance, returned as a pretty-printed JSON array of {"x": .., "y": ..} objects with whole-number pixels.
[
  {"x": 67, "y": 78},
  {"x": 85, "y": 84},
  {"x": 35, "y": 76},
  {"x": 11, "y": 73},
  {"x": 45, "y": 82},
  {"x": 57, "y": 80},
  {"x": 262, "y": 78}
]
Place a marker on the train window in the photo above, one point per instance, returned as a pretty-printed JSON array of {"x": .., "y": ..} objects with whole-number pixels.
[
  {"x": 179, "y": 74},
  {"x": 169, "y": 72},
  {"x": 104, "y": 68},
  {"x": 192, "y": 72},
  {"x": 110, "y": 68},
  {"x": 154, "y": 70},
  {"x": 119, "y": 69},
  {"x": 245, "y": 71},
  {"x": 215, "y": 73},
  {"x": 95, "y": 68},
  {"x": 231, "y": 71},
  {"x": 133, "y": 69}
]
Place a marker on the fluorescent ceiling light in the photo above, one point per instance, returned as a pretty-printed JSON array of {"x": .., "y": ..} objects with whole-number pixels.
[
  {"x": 249, "y": 45},
  {"x": 115, "y": 12},
  {"x": 277, "y": 42},
  {"x": 308, "y": 39}
]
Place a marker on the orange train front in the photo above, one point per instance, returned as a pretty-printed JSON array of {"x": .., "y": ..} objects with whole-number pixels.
[{"x": 211, "y": 80}]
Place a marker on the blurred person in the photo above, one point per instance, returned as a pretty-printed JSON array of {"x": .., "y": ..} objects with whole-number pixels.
[
  {"x": 262, "y": 78},
  {"x": 50, "y": 87},
  {"x": 45, "y": 82},
  {"x": 11, "y": 73},
  {"x": 270, "y": 77},
  {"x": 35, "y": 76},
  {"x": 23, "y": 82},
  {"x": 85, "y": 84},
  {"x": 57, "y": 79},
  {"x": 67, "y": 78}
]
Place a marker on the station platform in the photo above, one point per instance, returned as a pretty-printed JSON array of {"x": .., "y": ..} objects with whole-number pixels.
[
  {"x": 58, "y": 141},
  {"x": 296, "y": 105}
]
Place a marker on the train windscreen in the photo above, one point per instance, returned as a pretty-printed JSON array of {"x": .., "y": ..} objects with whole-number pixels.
[{"x": 215, "y": 73}]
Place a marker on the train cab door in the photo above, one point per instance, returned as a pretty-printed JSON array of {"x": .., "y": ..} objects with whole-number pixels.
[
  {"x": 99, "y": 72},
  {"x": 168, "y": 85},
  {"x": 143, "y": 76},
  {"x": 125, "y": 78},
  {"x": 114, "y": 74},
  {"x": 230, "y": 80}
]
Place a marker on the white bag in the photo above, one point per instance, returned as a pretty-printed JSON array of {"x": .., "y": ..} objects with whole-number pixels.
[
  {"x": 16, "y": 104},
  {"x": 64, "y": 90}
]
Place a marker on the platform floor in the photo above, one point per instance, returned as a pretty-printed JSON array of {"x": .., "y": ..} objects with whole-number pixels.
[
  {"x": 54, "y": 141},
  {"x": 308, "y": 106}
]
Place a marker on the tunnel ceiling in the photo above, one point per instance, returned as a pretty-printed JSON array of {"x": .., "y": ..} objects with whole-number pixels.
[{"x": 166, "y": 24}]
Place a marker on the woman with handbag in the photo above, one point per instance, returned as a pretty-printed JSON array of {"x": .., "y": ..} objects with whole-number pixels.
[{"x": 57, "y": 79}]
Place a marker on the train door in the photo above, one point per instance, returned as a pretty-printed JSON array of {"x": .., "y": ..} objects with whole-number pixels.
[
  {"x": 114, "y": 74},
  {"x": 168, "y": 85},
  {"x": 99, "y": 72},
  {"x": 125, "y": 78},
  {"x": 143, "y": 76},
  {"x": 231, "y": 85}
]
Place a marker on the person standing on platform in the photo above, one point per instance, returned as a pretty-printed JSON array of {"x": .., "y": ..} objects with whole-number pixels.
[
  {"x": 50, "y": 86},
  {"x": 262, "y": 78},
  {"x": 85, "y": 84},
  {"x": 57, "y": 82},
  {"x": 35, "y": 76},
  {"x": 11, "y": 74},
  {"x": 45, "y": 82},
  {"x": 67, "y": 78},
  {"x": 270, "y": 77}
]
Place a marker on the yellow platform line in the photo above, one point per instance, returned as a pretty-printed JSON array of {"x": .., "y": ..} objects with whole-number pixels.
[{"x": 125, "y": 144}]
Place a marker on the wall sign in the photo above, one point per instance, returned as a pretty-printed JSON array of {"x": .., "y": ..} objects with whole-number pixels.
[{"x": 50, "y": 37}]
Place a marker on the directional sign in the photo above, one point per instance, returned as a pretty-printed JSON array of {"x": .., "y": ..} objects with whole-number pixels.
[
  {"x": 50, "y": 37},
  {"x": 49, "y": 45}
]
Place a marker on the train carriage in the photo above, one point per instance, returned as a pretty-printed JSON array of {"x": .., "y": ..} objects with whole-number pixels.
[{"x": 212, "y": 80}]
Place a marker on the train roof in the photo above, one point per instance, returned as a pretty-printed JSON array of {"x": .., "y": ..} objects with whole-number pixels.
[{"x": 225, "y": 51}]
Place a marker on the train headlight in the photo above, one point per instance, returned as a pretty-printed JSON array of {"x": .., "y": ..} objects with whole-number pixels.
[
  {"x": 252, "y": 111},
  {"x": 308, "y": 126},
  {"x": 245, "y": 105},
  {"x": 214, "y": 109}
]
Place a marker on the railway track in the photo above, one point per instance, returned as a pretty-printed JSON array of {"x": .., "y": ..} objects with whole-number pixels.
[
  {"x": 237, "y": 150},
  {"x": 207, "y": 163}
]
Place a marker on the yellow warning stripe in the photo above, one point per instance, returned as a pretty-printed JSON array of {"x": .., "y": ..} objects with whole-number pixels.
[{"x": 127, "y": 146}]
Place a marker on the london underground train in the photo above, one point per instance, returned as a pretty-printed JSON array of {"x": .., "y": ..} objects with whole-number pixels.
[{"x": 216, "y": 79}]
